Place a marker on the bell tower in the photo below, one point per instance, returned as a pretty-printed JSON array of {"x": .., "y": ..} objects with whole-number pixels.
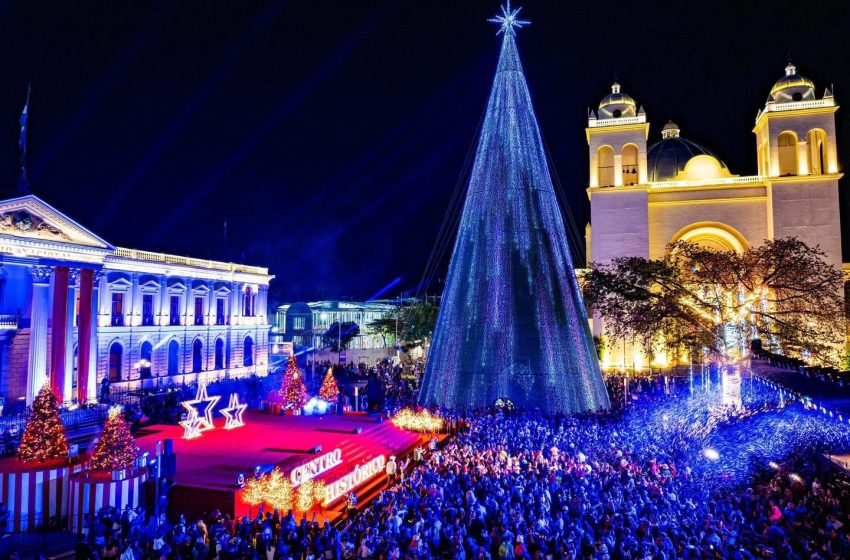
[{"x": 616, "y": 136}]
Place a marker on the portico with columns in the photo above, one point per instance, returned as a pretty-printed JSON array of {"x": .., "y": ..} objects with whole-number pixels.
[{"x": 74, "y": 310}]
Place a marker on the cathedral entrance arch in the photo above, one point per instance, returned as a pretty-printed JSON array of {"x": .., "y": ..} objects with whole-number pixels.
[{"x": 713, "y": 235}]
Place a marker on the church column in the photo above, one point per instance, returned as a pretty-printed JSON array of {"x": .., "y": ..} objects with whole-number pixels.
[
  {"x": 71, "y": 313},
  {"x": 37, "y": 366},
  {"x": 803, "y": 157},
  {"x": 91, "y": 376},
  {"x": 85, "y": 330},
  {"x": 58, "y": 327},
  {"x": 618, "y": 170}
]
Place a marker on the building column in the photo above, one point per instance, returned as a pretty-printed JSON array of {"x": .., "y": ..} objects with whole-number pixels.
[
  {"x": 91, "y": 375},
  {"x": 135, "y": 307},
  {"x": 162, "y": 316},
  {"x": 210, "y": 318},
  {"x": 68, "y": 389},
  {"x": 37, "y": 366},
  {"x": 84, "y": 334},
  {"x": 58, "y": 327},
  {"x": 188, "y": 305}
]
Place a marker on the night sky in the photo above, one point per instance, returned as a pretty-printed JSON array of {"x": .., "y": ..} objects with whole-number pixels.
[{"x": 330, "y": 136}]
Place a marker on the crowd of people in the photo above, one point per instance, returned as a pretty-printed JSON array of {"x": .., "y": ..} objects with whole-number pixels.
[{"x": 634, "y": 483}]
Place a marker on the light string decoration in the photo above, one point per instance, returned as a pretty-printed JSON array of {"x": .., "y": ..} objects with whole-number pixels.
[
  {"x": 422, "y": 421},
  {"x": 116, "y": 448},
  {"x": 191, "y": 425},
  {"x": 44, "y": 436},
  {"x": 512, "y": 323},
  {"x": 276, "y": 490},
  {"x": 233, "y": 413}
]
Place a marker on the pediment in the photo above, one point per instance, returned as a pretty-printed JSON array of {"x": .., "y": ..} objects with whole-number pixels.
[{"x": 30, "y": 217}]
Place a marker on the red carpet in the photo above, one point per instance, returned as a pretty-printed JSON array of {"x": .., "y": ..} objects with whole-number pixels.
[{"x": 207, "y": 467}]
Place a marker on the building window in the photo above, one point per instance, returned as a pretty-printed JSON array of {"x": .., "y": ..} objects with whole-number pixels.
[
  {"x": 298, "y": 323},
  {"x": 219, "y": 311},
  {"x": 174, "y": 311},
  {"x": 199, "y": 311},
  {"x": 197, "y": 356},
  {"x": 787, "y": 154},
  {"x": 219, "y": 354},
  {"x": 145, "y": 359},
  {"x": 117, "y": 309},
  {"x": 173, "y": 358},
  {"x": 116, "y": 355},
  {"x": 248, "y": 352},
  {"x": 147, "y": 310},
  {"x": 248, "y": 302}
]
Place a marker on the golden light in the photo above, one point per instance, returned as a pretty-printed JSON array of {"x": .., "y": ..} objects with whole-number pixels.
[{"x": 422, "y": 421}]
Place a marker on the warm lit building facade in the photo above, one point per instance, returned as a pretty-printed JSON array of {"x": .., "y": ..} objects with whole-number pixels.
[
  {"x": 644, "y": 197},
  {"x": 74, "y": 310}
]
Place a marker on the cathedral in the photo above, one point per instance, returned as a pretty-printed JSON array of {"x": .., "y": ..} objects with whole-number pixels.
[{"x": 644, "y": 197}]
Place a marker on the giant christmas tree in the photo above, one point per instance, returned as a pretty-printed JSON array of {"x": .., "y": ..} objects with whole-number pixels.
[
  {"x": 116, "y": 448},
  {"x": 292, "y": 386},
  {"x": 512, "y": 322}
]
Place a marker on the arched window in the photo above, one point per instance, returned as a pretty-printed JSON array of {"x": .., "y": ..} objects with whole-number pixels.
[
  {"x": 173, "y": 358},
  {"x": 630, "y": 165},
  {"x": 605, "y": 166},
  {"x": 816, "y": 140},
  {"x": 197, "y": 356},
  {"x": 248, "y": 352},
  {"x": 219, "y": 354},
  {"x": 116, "y": 355},
  {"x": 787, "y": 154},
  {"x": 145, "y": 359}
]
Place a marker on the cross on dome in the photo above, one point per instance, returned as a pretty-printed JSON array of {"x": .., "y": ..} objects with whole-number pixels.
[{"x": 508, "y": 20}]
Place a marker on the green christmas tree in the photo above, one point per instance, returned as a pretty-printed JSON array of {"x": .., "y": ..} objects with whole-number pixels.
[
  {"x": 292, "y": 387},
  {"x": 116, "y": 448},
  {"x": 329, "y": 390},
  {"x": 44, "y": 436}
]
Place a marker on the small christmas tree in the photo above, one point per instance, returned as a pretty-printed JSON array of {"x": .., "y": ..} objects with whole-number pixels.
[
  {"x": 329, "y": 390},
  {"x": 116, "y": 448},
  {"x": 292, "y": 387},
  {"x": 44, "y": 436}
]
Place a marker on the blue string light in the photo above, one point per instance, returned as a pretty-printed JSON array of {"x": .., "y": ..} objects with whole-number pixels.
[{"x": 512, "y": 323}]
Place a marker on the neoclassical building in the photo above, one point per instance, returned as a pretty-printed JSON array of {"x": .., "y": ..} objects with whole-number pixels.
[
  {"x": 644, "y": 197},
  {"x": 74, "y": 310}
]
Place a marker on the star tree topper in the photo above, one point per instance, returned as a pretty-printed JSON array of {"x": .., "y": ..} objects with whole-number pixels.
[
  {"x": 508, "y": 20},
  {"x": 233, "y": 412},
  {"x": 205, "y": 422}
]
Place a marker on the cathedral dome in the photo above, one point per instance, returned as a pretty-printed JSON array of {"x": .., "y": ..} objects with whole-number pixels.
[
  {"x": 667, "y": 158},
  {"x": 616, "y": 104},
  {"x": 792, "y": 86}
]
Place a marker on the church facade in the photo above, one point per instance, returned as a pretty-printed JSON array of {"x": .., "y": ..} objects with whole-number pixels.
[
  {"x": 75, "y": 310},
  {"x": 644, "y": 197}
]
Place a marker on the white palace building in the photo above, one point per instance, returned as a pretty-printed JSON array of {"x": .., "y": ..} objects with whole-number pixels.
[
  {"x": 644, "y": 197},
  {"x": 74, "y": 310}
]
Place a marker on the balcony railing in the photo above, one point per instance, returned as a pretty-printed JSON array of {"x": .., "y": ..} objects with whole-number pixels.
[
  {"x": 9, "y": 322},
  {"x": 188, "y": 261}
]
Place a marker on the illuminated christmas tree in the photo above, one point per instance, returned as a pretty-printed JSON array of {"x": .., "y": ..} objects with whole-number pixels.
[
  {"x": 329, "y": 390},
  {"x": 44, "y": 436},
  {"x": 116, "y": 448},
  {"x": 512, "y": 323},
  {"x": 292, "y": 387}
]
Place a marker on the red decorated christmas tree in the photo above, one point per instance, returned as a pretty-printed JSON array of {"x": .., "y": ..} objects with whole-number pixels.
[
  {"x": 292, "y": 387},
  {"x": 44, "y": 436},
  {"x": 329, "y": 390},
  {"x": 116, "y": 448}
]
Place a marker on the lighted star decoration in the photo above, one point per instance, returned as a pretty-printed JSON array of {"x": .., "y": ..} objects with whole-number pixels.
[
  {"x": 191, "y": 425},
  {"x": 206, "y": 422},
  {"x": 233, "y": 412},
  {"x": 508, "y": 20}
]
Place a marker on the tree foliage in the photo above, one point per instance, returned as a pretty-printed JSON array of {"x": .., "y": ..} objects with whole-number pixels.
[
  {"x": 338, "y": 337},
  {"x": 783, "y": 292},
  {"x": 413, "y": 323}
]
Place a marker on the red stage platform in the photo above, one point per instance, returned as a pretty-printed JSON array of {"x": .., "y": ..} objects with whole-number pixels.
[{"x": 208, "y": 467}]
